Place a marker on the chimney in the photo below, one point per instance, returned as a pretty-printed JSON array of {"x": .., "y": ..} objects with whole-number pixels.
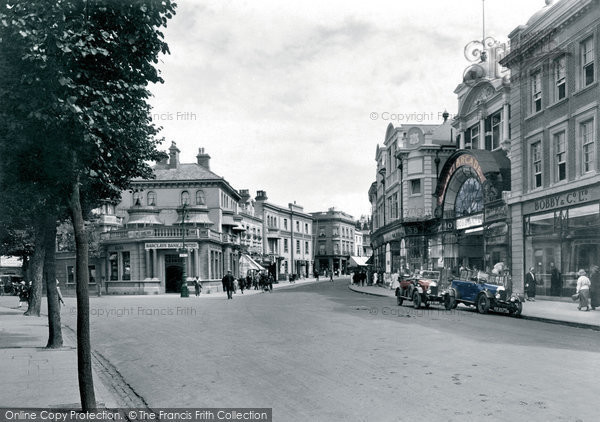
[
  {"x": 203, "y": 159},
  {"x": 173, "y": 156},
  {"x": 245, "y": 195},
  {"x": 261, "y": 195}
]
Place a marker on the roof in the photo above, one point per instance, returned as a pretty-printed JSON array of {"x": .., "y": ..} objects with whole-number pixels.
[{"x": 186, "y": 171}]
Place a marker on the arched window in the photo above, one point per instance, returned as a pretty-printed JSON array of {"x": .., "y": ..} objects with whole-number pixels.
[
  {"x": 185, "y": 198},
  {"x": 200, "y": 199},
  {"x": 151, "y": 198},
  {"x": 137, "y": 198}
]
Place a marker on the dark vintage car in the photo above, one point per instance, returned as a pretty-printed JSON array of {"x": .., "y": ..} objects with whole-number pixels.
[
  {"x": 484, "y": 291},
  {"x": 421, "y": 288}
]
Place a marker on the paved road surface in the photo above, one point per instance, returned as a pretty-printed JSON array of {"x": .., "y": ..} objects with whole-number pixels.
[{"x": 320, "y": 352}]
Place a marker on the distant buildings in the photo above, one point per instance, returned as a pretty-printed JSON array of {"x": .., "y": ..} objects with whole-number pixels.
[{"x": 334, "y": 237}]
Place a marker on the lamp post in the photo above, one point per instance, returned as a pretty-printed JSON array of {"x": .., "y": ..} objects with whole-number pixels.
[{"x": 183, "y": 254}]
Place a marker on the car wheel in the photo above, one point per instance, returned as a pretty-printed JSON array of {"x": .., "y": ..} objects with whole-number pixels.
[
  {"x": 416, "y": 297},
  {"x": 516, "y": 309},
  {"x": 399, "y": 300},
  {"x": 483, "y": 304},
  {"x": 449, "y": 302}
]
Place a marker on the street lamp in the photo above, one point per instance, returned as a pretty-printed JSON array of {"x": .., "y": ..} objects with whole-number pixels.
[{"x": 183, "y": 254}]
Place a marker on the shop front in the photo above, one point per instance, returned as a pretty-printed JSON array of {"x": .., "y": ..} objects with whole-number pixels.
[{"x": 562, "y": 236}]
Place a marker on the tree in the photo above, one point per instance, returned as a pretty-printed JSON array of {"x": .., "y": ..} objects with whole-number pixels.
[{"x": 83, "y": 69}]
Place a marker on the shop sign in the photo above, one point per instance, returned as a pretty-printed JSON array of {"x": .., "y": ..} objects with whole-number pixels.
[
  {"x": 170, "y": 245},
  {"x": 499, "y": 212},
  {"x": 462, "y": 160},
  {"x": 470, "y": 221},
  {"x": 497, "y": 240},
  {"x": 496, "y": 229},
  {"x": 561, "y": 200},
  {"x": 396, "y": 234}
]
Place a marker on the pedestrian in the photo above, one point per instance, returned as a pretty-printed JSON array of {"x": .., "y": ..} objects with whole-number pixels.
[
  {"x": 583, "y": 290},
  {"x": 235, "y": 285},
  {"x": 595, "y": 287},
  {"x": 270, "y": 282},
  {"x": 241, "y": 284},
  {"x": 197, "y": 286},
  {"x": 23, "y": 293},
  {"x": 530, "y": 283},
  {"x": 555, "y": 281},
  {"x": 316, "y": 274},
  {"x": 362, "y": 278},
  {"x": 59, "y": 294},
  {"x": 356, "y": 278},
  {"x": 228, "y": 284},
  {"x": 99, "y": 284},
  {"x": 331, "y": 275}
]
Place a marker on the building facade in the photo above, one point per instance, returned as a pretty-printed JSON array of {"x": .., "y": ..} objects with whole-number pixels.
[
  {"x": 287, "y": 241},
  {"x": 334, "y": 240},
  {"x": 405, "y": 231},
  {"x": 555, "y": 197}
]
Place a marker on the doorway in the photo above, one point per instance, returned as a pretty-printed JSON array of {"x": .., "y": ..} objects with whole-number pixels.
[{"x": 173, "y": 273}]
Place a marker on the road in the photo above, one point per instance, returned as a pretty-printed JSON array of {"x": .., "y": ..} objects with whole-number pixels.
[{"x": 320, "y": 352}]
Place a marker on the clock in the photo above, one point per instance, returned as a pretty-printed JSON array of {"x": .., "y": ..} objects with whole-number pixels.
[{"x": 469, "y": 199}]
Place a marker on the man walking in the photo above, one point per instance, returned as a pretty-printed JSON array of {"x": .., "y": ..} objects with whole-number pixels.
[
  {"x": 530, "y": 283},
  {"x": 228, "y": 284}
]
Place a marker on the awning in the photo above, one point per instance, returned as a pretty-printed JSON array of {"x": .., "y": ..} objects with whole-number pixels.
[
  {"x": 145, "y": 219},
  {"x": 370, "y": 260},
  {"x": 228, "y": 220},
  {"x": 247, "y": 263},
  {"x": 358, "y": 261},
  {"x": 195, "y": 218}
]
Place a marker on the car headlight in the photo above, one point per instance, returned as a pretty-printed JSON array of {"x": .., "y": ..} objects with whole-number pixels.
[
  {"x": 428, "y": 291},
  {"x": 497, "y": 295}
]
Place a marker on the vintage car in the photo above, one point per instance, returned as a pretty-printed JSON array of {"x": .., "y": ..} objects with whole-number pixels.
[
  {"x": 420, "y": 288},
  {"x": 484, "y": 291}
]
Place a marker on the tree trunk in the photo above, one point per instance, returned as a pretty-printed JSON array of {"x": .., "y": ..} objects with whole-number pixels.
[
  {"x": 55, "y": 339},
  {"x": 36, "y": 269},
  {"x": 84, "y": 354}
]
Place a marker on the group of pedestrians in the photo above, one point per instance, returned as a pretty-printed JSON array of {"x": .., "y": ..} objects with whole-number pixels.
[
  {"x": 261, "y": 281},
  {"x": 359, "y": 278}
]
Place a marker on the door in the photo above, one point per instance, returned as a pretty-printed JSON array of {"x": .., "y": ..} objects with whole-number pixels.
[{"x": 173, "y": 273}]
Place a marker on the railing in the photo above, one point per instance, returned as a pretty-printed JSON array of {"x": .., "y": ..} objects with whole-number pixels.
[{"x": 161, "y": 232}]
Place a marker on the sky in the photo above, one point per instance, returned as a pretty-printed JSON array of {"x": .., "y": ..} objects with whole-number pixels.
[{"x": 293, "y": 97}]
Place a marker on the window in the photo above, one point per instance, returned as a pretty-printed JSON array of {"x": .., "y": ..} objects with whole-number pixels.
[
  {"x": 536, "y": 158},
  {"x": 126, "y": 266},
  {"x": 285, "y": 223},
  {"x": 560, "y": 78},
  {"x": 306, "y": 250},
  {"x": 92, "y": 273},
  {"x": 321, "y": 248},
  {"x": 285, "y": 245},
  {"x": 297, "y": 226},
  {"x": 185, "y": 198},
  {"x": 586, "y": 135},
  {"x": 415, "y": 187},
  {"x": 472, "y": 137},
  {"x": 493, "y": 126},
  {"x": 536, "y": 92},
  {"x": 336, "y": 248},
  {"x": 200, "y": 198},
  {"x": 70, "y": 274},
  {"x": 587, "y": 61},
  {"x": 137, "y": 198},
  {"x": 297, "y": 246},
  {"x": 151, "y": 198},
  {"x": 560, "y": 156},
  {"x": 305, "y": 227},
  {"x": 113, "y": 261},
  {"x": 321, "y": 232}
]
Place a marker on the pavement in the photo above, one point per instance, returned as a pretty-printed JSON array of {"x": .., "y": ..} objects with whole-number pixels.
[
  {"x": 47, "y": 378},
  {"x": 543, "y": 309}
]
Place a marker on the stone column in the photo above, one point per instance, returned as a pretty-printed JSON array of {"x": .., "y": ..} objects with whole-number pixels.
[
  {"x": 148, "y": 273},
  {"x": 154, "y": 263}
]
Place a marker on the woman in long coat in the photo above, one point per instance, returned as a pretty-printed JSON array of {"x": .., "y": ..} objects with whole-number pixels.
[{"x": 583, "y": 289}]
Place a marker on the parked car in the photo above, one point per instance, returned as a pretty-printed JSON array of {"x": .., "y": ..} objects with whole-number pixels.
[
  {"x": 421, "y": 288},
  {"x": 484, "y": 291}
]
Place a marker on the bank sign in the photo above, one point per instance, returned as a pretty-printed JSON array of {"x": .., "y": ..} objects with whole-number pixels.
[
  {"x": 170, "y": 245},
  {"x": 562, "y": 200}
]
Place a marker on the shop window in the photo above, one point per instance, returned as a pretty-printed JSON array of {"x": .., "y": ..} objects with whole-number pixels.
[
  {"x": 126, "y": 266},
  {"x": 151, "y": 198},
  {"x": 560, "y": 157},
  {"x": 586, "y": 136},
  {"x": 560, "y": 85},
  {"x": 536, "y": 161},
  {"x": 113, "y": 261},
  {"x": 536, "y": 92},
  {"x": 587, "y": 62}
]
